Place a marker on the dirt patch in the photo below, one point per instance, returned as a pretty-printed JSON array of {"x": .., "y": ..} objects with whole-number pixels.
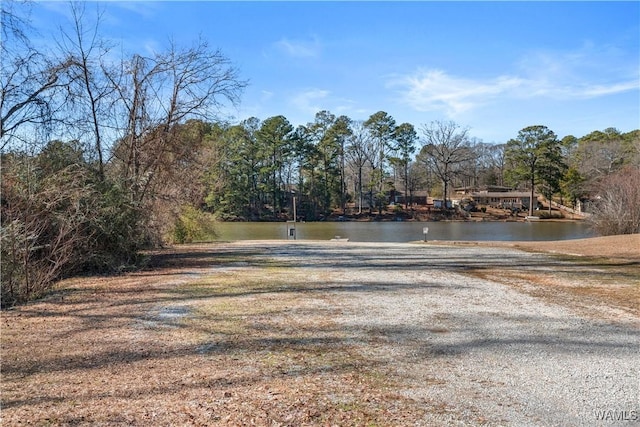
[{"x": 625, "y": 247}]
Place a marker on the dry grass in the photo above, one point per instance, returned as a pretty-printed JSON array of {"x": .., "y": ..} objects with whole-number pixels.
[
  {"x": 165, "y": 347},
  {"x": 595, "y": 273},
  {"x": 623, "y": 247}
]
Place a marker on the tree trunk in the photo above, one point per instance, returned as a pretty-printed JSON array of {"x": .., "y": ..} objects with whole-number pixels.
[
  {"x": 532, "y": 196},
  {"x": 360, "y": 190}
]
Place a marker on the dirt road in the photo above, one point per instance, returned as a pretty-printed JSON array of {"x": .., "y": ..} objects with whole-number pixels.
[{"x": 332, "y": 333}]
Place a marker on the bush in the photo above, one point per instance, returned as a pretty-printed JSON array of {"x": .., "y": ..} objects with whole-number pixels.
[
  {"x": 58, "y": 219},
  {"x": 193, "y": 225},
  {"x": 550, "y": 215},
  {"x": 617, "y": 209}
]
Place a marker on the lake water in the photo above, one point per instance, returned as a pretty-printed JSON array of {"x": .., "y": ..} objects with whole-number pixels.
[{"x": 405, "y": 231}]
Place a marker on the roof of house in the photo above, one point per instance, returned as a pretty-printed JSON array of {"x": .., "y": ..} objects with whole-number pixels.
[
  {"x": 501, "y": 194},
  {"x": 490, "y": 188}
]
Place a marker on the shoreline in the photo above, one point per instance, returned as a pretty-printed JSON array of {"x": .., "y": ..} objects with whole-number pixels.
[
  {"x": 622, "y": 247},
  {"x": 401, "y": 219}
]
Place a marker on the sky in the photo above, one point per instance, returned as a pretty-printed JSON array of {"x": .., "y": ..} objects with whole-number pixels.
[{"x": 492, "y": 67}]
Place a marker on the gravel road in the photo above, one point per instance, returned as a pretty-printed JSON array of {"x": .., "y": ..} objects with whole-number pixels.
[{"x": 472, "y": 350}]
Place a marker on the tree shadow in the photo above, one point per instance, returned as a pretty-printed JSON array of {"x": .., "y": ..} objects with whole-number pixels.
[{"x": 422, "y": 341}]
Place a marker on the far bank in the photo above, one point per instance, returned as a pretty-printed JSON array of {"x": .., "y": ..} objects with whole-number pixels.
[{"x": 404, "y": 231}]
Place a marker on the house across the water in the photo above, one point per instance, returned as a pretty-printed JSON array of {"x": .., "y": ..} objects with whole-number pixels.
[
  {"x": 502, "y": 199},
  {"x": 496, "y": 196}
]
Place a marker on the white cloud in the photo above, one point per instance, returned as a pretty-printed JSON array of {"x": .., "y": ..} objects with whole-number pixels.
[
  {"x": 432, "y": 90},
  {"x": 307, "y": 101},
  {"x": 265, "y": 95},
  {"x": 436, "y": 90},
  {"x": 347, "y": 107},
  {"x": 590, "y": 71},
  {"x": 299, "y": 48},
  {"x": 595, "y": 91},
  {"x": 144, "y": 9}
]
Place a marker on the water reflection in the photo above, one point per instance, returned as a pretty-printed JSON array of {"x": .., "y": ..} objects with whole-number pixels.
[{"x": 406, "y": 231}]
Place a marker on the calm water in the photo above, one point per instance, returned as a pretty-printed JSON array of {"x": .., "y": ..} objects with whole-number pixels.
[{"x": 405, "y": 231}]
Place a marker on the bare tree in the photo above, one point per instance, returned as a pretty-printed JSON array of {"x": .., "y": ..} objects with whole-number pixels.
[
  {"x": 415, "y": 180},
  {"x": 88, "y": 108},
  {"x": 359, "y": 152},
  {"x": 30, "y": 81},
  {"x": 468, "y": 171},
  {"x": 496, "y": 161},
  {"x": 617, "y": 203},
  {"x": 445, "y": 147},
  {"x": 156, "y": 94}
]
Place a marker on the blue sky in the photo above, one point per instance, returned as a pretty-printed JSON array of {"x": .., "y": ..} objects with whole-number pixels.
[{"x": 495, "y": 67}]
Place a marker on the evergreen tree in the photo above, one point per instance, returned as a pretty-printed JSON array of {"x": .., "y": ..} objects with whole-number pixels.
[
  {"x": 382, "y": 128},
  {"x": 275, "y": 137},
  {"x": 535, "y": 157},
  {"x": 406, "y": 138}
]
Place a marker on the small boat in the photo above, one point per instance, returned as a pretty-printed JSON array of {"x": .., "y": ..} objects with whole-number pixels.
[{"x": 531, "y": 218}]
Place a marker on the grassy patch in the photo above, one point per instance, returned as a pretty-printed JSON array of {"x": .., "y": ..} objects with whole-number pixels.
[{"x": 264, "y": 320}]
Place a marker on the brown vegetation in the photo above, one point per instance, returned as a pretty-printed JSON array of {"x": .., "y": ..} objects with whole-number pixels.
[
  {"x": 623, "y": 247},
  {"x": 617, "y": 206},
  {"x": 120, "y": 350}
]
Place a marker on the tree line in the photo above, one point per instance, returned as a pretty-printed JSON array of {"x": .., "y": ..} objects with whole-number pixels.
[
  {"x": 142, "y": 158},
  {"x": 335, "y": 160}
]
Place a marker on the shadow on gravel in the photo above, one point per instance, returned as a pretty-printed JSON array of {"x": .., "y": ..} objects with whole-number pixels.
[
  {"x": 483, "y": 333},
  {"x": 353, "y": 256},
  {"x": 535, "y": 335}
]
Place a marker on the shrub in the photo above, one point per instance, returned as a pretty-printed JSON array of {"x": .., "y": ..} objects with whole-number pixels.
[
  {"x": 193, "y": 225},
  {"x": 58, "y": 219},
  {"x": 617, "y": 208},
  {"x": 550, "y": 215}
]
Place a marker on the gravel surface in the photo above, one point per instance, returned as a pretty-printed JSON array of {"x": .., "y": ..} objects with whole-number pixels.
[
  {"x": 472, "y": 350},
  {"x": 305, "y": 333}
]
